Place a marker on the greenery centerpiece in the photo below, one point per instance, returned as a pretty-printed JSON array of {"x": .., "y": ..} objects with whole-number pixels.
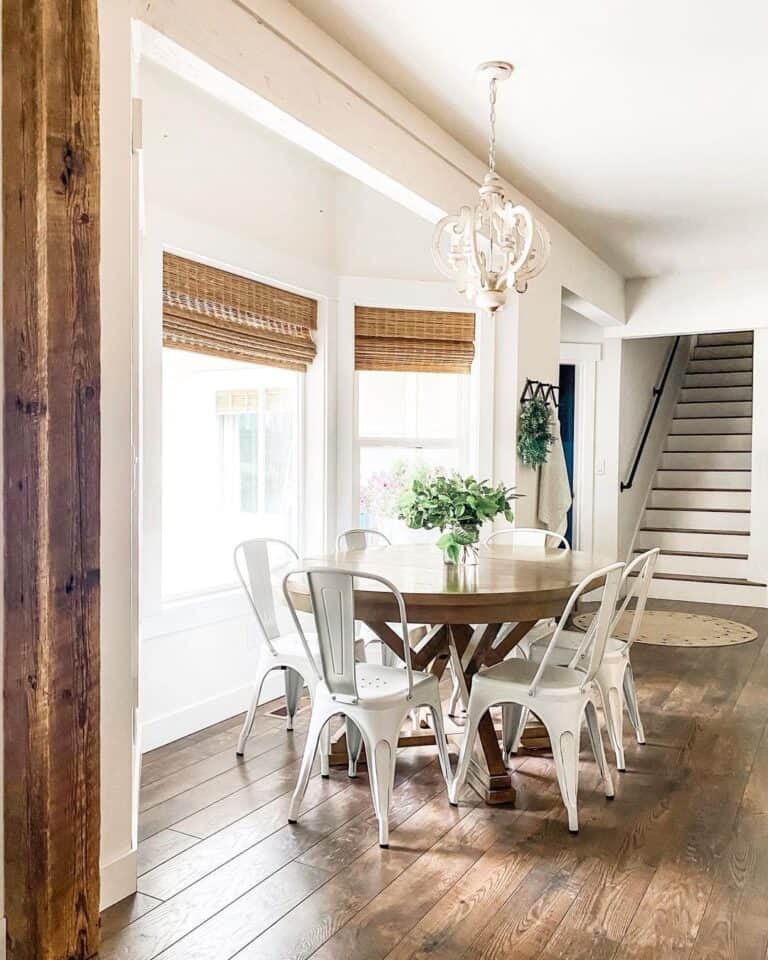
[{"x": 458, "y": 507}]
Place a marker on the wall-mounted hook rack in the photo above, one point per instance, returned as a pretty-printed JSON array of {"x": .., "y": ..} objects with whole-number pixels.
[{"x": 536, "y": 389}]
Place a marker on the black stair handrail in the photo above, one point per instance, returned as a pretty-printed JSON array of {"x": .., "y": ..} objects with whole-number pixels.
[{"x": 656, "y": 394}]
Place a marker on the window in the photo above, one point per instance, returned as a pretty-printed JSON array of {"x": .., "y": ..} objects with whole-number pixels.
[
  {"x": 408, "y": 423},
  {"x": 230, "y": 464}
]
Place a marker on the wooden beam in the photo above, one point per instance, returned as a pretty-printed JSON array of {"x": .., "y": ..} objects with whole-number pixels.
[{"x": 51, "y": 328}]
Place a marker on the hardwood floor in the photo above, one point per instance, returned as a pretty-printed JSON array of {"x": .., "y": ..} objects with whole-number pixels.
[{"x": 676, "y": 866}]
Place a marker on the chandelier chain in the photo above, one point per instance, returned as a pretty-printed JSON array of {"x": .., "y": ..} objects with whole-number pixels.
[{"x": 492, "y": 132}]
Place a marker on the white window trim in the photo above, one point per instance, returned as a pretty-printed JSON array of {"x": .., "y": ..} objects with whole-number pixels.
[
  {"x": 160, "y": 615},
  {"x": 406, "y": 295}
]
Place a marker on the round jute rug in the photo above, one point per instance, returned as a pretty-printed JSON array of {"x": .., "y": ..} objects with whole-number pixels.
[{"x": 668, "y": 628}]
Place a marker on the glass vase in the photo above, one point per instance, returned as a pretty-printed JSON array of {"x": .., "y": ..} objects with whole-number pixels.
[{"x": 469, "y": 553}]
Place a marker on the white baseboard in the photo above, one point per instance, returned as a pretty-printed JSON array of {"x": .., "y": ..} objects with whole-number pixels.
[
  {"x": 196, "y": 716},
  {"x": 118, "y": 879}
]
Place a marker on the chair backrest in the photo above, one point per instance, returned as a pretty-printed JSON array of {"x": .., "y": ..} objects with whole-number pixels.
[
  {"x": 360, "y": 538},
  {"x": 332, "y": 591},
  {"x": 637, "y": 579},
  {"x": 596, "y": 638},
  {"x": 254, "y": 569},
  {"x": 528, "y": 537}
]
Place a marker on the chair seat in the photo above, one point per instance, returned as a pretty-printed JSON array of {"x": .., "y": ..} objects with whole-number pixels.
[
  {"x": 569, "y": 643},
  {"x": 556, "y": 680},
  {"x": 381, "y": 686}
]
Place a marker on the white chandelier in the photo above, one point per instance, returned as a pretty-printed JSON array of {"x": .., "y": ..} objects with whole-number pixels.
[{"x": 497, "y": 244}]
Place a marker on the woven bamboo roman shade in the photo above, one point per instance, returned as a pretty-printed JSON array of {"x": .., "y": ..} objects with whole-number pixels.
[
  {"x": 425, "y": 341},
  {"x": 212, "y": 311}
]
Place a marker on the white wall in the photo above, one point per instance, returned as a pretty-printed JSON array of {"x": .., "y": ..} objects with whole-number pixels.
[
  {"x": 219, "y": 186},
  {"x": 642, "y": 365},
  {"x": 696, "y": 303}
]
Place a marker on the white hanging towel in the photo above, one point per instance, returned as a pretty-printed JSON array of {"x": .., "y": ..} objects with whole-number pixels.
[{"x": 554, "y": 490}]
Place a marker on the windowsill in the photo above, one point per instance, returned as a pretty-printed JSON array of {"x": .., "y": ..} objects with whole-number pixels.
[{"x": 195, "y": 610}]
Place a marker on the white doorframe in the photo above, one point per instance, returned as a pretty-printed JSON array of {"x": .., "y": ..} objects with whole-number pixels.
[{"x": 584, "y": 357}]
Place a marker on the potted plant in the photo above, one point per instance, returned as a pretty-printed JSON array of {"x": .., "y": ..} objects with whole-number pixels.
[{"x": 458, "y": 507}]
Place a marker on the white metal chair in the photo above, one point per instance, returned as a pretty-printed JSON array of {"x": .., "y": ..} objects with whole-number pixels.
[
  {"x": 560, "y": 696},
  {"x": 359, "y": 538},
  {"x": 522, "y": 536},
  {"x": 279, "y": 650},
  {"x": 374, "y": 698},
  {"x": 614, "y": 678},
  {"x": 528, "y": 537}
]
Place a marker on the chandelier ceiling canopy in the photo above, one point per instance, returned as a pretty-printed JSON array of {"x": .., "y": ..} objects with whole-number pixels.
[{"x": 495, "y": 245}]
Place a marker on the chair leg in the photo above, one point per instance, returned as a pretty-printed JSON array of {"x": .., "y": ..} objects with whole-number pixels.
[
  {"x": 564, "y": 736},
  {"x": 354, "y": 746},
  {"x": 475, "y": 710},
  {"x": 513, "y": 719},
  {"x": 630, "y": 699},
  {"x": 442, "y": 743},
  {"x": 380, "y": 752},
  {"x": 388, "y": 656},
  {"x": 251, "y": 715},
  {"x": 317, "y": 725},
  {"x": 609, "y": 681},
  {"x": 453, "y": 703},
  {"x": 293, "y": 684},
  {"x": 325, "y": 750},
  {"x": 598, "y": 750}
]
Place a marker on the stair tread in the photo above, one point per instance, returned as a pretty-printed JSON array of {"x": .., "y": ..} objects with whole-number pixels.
[
  {"x": 725, "y": 533},
  {"x": 706, "y": 451},
  {"x": 702, "y": 509},
  {"x": 697, "y": 554},
  {"x": 703, "y": 469},
  {"x": 706, "y": 489},
  {"x": 729, "y": 434},
  {"x": 734, "y": 581}
]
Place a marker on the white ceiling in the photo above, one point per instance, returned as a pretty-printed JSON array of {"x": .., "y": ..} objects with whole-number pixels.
[{"x": 640, "y": 126}]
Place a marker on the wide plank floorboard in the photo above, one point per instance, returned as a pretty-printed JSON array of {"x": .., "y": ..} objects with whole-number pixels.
[{"x": 675, "y": 867}]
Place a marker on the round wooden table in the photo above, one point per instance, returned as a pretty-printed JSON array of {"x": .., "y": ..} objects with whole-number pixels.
[{"x": 519, "y": 585}]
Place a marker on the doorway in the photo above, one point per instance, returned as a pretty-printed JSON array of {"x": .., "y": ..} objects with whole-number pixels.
[{"x": 567, "y": 412}]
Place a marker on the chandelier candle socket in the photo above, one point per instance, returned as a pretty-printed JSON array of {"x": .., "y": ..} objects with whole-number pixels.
[{"x": 497, "y": 245}]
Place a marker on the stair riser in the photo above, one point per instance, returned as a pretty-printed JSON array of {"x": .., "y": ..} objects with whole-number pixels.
[
  {"x": 693, "y": 460},
  {"x": 712, "y": 425},
  {"x": 703, "y": 499},
  {"x": 738, "y": 408},
  {"x": 696, "y": 520},
  {"x": 736, "y": 378},
  {"x": 722, "y": 351},
  {"x": 718, "y": 339},
  {"x": 704, "y": 593},
  {"x": 704, "y": 566},
  {"x": 692, "y": 542},
  {"x": 719, "y": 366},
  {"x": 715, "y": 394},
  {"x": 703, "y": 479},
  {"x": 690, "y": 442}
]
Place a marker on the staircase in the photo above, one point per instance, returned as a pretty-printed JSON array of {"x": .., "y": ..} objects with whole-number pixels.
[{"x": 698, "y": 510}]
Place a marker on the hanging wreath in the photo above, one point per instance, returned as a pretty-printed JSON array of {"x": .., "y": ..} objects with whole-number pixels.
[{"x": 535, "y": 435}]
